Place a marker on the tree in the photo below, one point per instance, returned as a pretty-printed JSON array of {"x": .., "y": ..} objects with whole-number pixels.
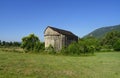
[
  {"x": 16, "y": 44},
  {"x": 110, "y": 39},
  {"x": 88, "y": 45},
  {"x": 117, "y": 45},
  {"x": 0, "y": 42},
  {"x": 3, "y": 43},
  {"x": 30, "y": 43},
  {"x": 91, "y": 42}
]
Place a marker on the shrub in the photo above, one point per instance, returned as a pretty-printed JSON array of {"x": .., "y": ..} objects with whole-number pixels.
[
  {"x": 82, "y": 47},
  {"x": 50, "y": 50},
  {"x": 73, "y": 49}
]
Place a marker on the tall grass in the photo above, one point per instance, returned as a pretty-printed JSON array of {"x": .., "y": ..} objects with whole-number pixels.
[
  {"x": 12, "y": 49},
  {"x": 22, "y": 65}
]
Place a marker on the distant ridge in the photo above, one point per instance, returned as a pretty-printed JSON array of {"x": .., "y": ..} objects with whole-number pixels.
[{"x": 100, "y": 32}]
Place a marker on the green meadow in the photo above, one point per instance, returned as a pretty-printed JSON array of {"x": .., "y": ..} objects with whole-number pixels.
[{"x": 25, "y": 65}]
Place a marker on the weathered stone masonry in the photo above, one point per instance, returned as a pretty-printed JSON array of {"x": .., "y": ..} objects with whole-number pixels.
[{"x": 58, "y": 38}]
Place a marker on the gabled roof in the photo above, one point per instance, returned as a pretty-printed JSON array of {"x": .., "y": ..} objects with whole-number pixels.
[{"x": 61, "y": 31}]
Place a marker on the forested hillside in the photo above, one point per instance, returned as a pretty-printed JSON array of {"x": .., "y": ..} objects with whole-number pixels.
[{"x": 100, "y": 32}]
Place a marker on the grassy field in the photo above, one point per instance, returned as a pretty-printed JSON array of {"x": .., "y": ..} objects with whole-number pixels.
[{"x": 22, "y": 65}]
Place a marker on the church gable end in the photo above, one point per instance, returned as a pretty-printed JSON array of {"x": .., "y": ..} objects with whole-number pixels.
[{"x": 49, "y": 31}]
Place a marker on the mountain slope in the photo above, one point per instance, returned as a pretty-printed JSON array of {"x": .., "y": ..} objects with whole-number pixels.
[{"x": 100, "y": 32}]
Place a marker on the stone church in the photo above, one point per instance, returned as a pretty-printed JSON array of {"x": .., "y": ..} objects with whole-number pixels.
[{"x": 58, "y": 38}]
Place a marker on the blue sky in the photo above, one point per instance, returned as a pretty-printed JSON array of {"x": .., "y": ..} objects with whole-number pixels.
[{"x": 19, "y": 18}]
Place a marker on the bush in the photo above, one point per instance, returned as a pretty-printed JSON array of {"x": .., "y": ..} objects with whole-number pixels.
[
  {"x": 39, "y": 47},
  {"x": 82, "y": 47},
  {"x": 72, "y": 49},
  {"x": 50, "y": 50}
]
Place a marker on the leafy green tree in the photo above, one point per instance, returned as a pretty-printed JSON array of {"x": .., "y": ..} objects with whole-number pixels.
[
  {"x": 3, "y": 43},
  {"x": 110, "y": 39},
  {"x": 0, "y": 42},
  {"x": 10, "y": 44},
  {"x": 117, "y": 45},
  {"x": 30, "y": 43},
  {"x": 16, "y": 44},
  {"x": 90, "y": 43}
]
